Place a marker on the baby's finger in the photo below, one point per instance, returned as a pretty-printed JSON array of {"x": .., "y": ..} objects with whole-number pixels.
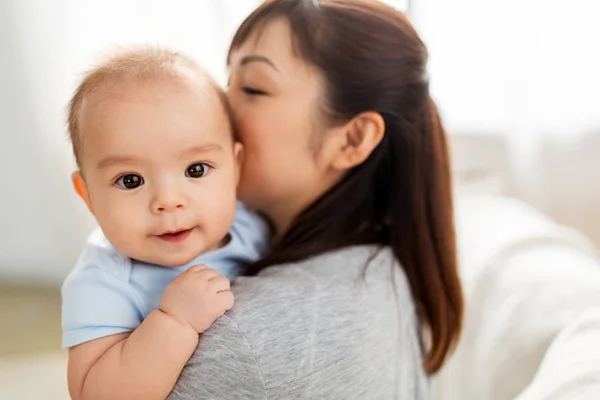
[
  {"x": 226, "y": 299},
  {"x": 207, "y": 274},
  {"x": 220, "y": 284},
  {"x": 197, "y": 268}
]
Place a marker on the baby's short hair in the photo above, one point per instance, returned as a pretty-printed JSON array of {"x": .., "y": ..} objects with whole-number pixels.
[{"x": 135, "y": 64}]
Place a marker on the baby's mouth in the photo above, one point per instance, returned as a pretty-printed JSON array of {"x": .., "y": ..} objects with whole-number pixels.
[{"x": 176, "y": 236}]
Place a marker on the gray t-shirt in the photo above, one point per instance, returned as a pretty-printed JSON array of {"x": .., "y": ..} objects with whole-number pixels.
[{"x": 337, "y": 326}]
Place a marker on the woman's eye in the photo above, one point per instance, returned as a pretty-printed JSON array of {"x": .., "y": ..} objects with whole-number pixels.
[
  {"x": 196, "y": 170},
  {"x": 252, "y": 91},
  {"x": 130, "y": 181}
]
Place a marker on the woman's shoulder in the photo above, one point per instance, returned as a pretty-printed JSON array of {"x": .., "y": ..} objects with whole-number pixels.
[
  {"x": 325, "y": 325},
  {"x": 344, "y": 263},
  {"x": 323, "y": 311},
  {"x": 326, "y": 277}
]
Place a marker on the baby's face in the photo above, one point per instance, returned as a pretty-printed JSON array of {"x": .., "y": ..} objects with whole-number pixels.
[{"x": 160, "y": 168}]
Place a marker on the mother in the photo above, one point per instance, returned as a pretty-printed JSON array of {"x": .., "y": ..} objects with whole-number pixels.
[{"x": 359, "y": 296}]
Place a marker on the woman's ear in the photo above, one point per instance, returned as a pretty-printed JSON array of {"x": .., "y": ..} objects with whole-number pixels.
[
  {"x": 238, "y": 155},
  {"x": 357, "y": 139},
  {"x": 81, "y": 189}
]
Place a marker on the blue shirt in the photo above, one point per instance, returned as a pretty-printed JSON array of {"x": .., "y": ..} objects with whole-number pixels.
[{"x": 108, "y": 293}]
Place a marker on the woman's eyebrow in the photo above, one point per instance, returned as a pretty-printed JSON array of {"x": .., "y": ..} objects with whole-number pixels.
[{"x": 258, "y": 58}]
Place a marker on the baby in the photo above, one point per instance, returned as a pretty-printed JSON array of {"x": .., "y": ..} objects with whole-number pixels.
[{"x": 158, "y": 167}]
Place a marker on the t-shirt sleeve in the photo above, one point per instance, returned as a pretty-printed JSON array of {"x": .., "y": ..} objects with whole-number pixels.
[
  {"x": 222, "y": 367},
  {"x": 97, "y": 299}
]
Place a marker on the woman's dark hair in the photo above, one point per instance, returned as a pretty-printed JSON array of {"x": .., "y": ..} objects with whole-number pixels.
[{"x": 373, "y": 60}]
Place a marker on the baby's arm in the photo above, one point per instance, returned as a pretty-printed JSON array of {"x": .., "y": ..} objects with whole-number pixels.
[
  {"x": 146, "y": 363},
  {"x": 143, "y": 364}
]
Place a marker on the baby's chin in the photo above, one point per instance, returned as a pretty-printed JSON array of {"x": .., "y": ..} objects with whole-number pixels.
[
  {"x": 175, "y": 260},
  {"x": 170, "y": 258},
  {"x": 178, "y": 255},
  {"x": 171, "y": 261}
]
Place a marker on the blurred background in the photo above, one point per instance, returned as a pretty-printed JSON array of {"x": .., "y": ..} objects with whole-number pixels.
[{"x": 518, "y": 86}]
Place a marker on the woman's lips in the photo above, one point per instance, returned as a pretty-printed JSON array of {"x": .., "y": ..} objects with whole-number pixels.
[{"x": 175, "y": 237}]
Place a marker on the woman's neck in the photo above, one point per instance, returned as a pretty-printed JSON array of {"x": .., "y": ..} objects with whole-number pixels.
[
  {"x": 284, "y": 211},
  {"x": 282, "y": 218}
]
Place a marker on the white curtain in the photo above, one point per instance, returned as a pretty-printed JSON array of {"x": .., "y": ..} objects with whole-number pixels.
[
  {"x": 522, "y": 75},
  {"x": 46, "y": 46},
  {"x": 522, "y": 71},
  {"x": 526, "y": 65}
]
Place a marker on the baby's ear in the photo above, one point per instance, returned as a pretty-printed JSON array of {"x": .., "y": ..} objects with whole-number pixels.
[
  {"x": 238, "y": 155},
  {"x": 81, "y": 189}
]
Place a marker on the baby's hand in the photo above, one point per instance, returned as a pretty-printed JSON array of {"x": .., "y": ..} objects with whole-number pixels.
[{"x": 197, "y": 297}]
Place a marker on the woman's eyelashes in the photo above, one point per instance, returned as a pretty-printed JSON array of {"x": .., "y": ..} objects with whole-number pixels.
[
  {"x": 133, "y": 181},
  {"x": 253, "y": 91},
  {"x": 237, "y": 82}
]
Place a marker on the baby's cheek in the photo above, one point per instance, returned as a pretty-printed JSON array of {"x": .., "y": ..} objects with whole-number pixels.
[
  {"x": 124, "y": 224},
  {"x": 221, "y": 212}
]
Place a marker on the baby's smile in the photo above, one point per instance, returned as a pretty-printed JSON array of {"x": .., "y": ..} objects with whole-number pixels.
[{"x": 176, "y": 236}]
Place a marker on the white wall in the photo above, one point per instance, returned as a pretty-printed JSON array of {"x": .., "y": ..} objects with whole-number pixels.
[
  {"x": 524, "y": 68},
  {"x": 45, "y": 47},
  {"x": 514, "y": 64},
  {"x": 527, "y": 70}
]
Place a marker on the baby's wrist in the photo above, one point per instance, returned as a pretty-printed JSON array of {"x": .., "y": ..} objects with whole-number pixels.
[{"x": 181, "y": 323}]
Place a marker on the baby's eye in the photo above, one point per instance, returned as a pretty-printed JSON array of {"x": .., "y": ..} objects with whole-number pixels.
[
  {"x": 196, "y": 170},
  {"x": 130, "y": 181}
]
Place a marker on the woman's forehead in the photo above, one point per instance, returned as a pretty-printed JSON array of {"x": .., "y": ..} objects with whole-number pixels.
[{"x": 272, "y": 41}]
